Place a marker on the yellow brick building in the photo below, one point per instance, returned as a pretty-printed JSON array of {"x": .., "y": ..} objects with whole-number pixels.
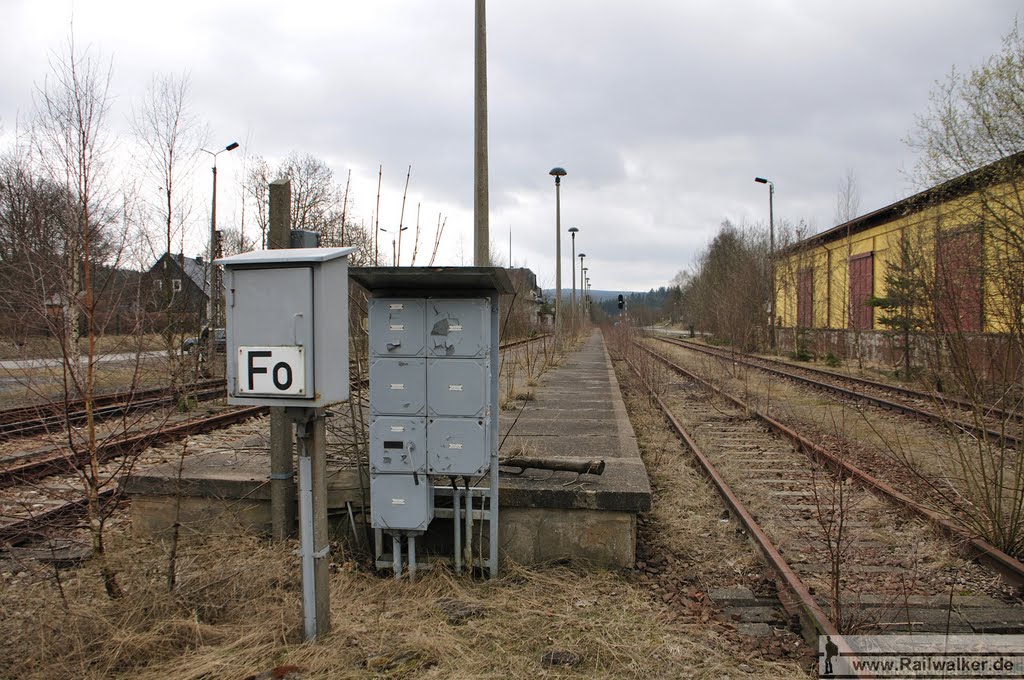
[{"x": 963, "y": 240}]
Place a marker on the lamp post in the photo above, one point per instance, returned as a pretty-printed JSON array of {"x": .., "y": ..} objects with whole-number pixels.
[
  {"x": 572, "y": 231},
  {"x": 395, "y": 255},
  {"x": 214, "y": 283},
  {"x": 558, "y": 174},
  {"x": 582, "y": 255},
  {"x": 583, "y": 291},
  {"x": 771, "y": 258}
]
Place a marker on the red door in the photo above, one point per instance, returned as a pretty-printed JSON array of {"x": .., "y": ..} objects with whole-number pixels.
[{"x": 862, "y": 271}]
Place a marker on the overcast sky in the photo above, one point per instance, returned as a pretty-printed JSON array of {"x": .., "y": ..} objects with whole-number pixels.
[{"x": 661, "y": 111}]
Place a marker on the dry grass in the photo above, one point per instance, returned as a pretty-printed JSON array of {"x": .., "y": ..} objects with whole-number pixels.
[
  {"x": 38, "y": 346},
  {"x": 237, "y": 610},
  {"x": 237, "y": 613},
  {"x": 19, "y": 386}
]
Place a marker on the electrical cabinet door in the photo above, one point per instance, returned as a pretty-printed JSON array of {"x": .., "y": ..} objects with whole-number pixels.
[
  {"x": 398, "y": 387},
  {"x": 457, "y": 446},
  {"x": 397, "y": 327},
  {"x": 286, "y": 295},
  {"x": 457, "y": 387},
  {"x": 458, "y": 328},
  {"x": 398, "y": 445},
  {"x": 401, "y": 502}
]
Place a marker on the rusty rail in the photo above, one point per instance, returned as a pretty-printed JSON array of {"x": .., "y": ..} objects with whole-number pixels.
[
  {"x": 1010, "y": 568},
  {"x": 928, "y": 416}
]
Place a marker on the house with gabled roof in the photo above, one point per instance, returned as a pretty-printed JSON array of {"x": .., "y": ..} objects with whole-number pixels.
[{"x": 177, "y": 292}]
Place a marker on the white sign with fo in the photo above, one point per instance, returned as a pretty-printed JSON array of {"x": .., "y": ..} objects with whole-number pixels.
[{"x": 271, "y": 371}]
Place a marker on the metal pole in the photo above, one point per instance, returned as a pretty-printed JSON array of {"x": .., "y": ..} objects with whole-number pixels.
[
  {"x": 315, "y": 549},
  {"x": 558, "y": 263},
  {"x": 321, "y": 544},
  {"x": 493, "y": 491},
  {"x": 396, "y": 556},
  {"x": 214, "y": 283},
  {"x": 456, "y": 519},
  {"x": 481, "y": 226},
  {"x": 212, "y": 321},
  {"x": 412, "y": 558},
  {"x": 573, "y": 232},
  {"x": 309, "y": 599},
  {"x": 582, "y": 255},
  {"x": 583, "y": 292},
  {"x": 771, "y": 260}
]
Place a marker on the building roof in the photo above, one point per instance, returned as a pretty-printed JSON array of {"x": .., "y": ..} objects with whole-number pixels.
[
  {"x": 193, "y": 267},
  {"x": 1000, "y": 170}
]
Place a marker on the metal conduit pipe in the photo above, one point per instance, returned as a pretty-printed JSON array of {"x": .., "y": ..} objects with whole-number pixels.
[
  {"x": 456, "y": 497},
  {"x": 396, "y": 556}
]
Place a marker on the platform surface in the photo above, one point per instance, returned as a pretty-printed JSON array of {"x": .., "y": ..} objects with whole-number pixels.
[{"x": 577, "y": 411}]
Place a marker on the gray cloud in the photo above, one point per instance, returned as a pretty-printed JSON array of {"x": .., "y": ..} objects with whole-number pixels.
[{"x": 662, "y": 111}]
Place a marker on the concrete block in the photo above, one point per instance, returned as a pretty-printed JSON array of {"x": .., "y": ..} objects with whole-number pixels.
[{"x": 535, "y": 535}]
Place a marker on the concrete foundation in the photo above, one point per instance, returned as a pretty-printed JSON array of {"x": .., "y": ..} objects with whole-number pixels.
[{"x": 543, "y": 515}]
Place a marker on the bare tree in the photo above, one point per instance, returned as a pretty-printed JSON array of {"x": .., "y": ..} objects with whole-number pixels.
[
  {"x": 256, "y": 192},
  {"x": 72, "y": 140},
  {"x": 847, "y": 198},
  {"x": 973, "y": 118},
  {"x": 171, "y": 135},
  {"x": 969, "y": 143}
]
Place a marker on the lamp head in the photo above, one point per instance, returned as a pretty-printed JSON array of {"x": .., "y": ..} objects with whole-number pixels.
[
  {"x": 231, "y": 147},
  {"x": 761, "y": 180},
  {"x": 557, "y": 172},
  {"x": 582, "y": 255},
  {"x": 573, "y": 230}
]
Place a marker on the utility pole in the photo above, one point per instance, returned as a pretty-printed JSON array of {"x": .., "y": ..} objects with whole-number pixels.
[
  {"x": 558, "y": 173},
  {"x": 282, "y": 472},
  {"x": 481, "y": 224}
]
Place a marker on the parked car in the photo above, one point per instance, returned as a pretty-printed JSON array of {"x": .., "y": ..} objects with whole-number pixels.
[{"x": 198, "y": 344}]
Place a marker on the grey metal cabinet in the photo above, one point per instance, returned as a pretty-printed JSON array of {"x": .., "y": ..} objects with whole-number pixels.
[
  {"x": 398, "y": 444},
  {"x": 458, "y": 328},
  {"x": 401, "y": 502},
  {"x": 398, "y": 386},
  {"x": 397, "y": 327},
  {"x": 457, "y": 446}
]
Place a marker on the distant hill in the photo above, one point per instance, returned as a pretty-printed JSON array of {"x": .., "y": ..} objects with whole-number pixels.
[{"x": 596, "y": 295}]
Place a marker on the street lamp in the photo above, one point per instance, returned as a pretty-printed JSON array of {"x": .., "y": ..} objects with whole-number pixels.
[
  {"x": 395, "y": 255},
  {"x": 582, "y": 255},
  {"x": 771, "y": 257},
  {"x": 583, "y": 291},
  {"x": 214, "y": 283},
  {"x": 572, "y": 231},
  {"x": 558, "y": 174}
]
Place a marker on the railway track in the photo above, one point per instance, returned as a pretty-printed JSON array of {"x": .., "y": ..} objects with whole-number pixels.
[
  {"x": 37, "y": 465},
  {"x": 27, "y": 420},
  {"x": 56, "y": 487},
  {"x": 998, "y": 426},
  {"x": 815, "y": 529}
]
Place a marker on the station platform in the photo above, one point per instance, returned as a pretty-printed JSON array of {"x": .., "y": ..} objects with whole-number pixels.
[{"x": 576, "y": 411}]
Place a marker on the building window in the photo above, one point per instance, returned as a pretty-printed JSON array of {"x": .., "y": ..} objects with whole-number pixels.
[
  {"x": 805, "y": 298},
  {"x": 958, "y": 256},
  {"x": 862, "y": 274},
  {"x": 159, "y": 284},
  {"x": 176, "y": 285}
]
